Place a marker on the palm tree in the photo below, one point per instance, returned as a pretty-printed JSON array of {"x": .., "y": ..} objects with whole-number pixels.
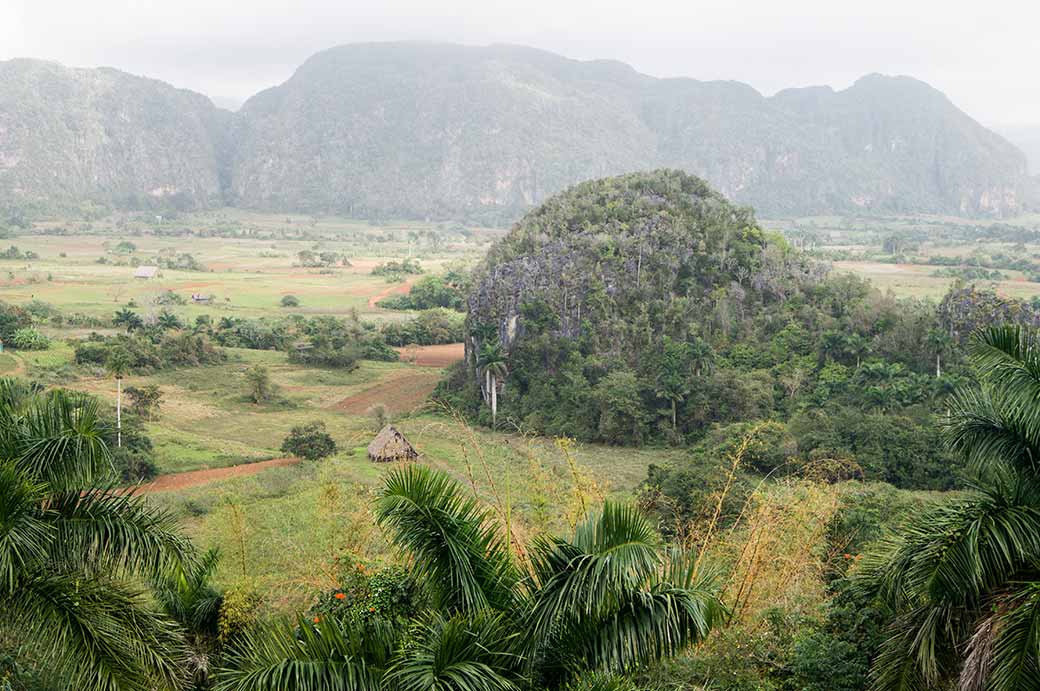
[
  {"x": 168, "y": 321},
  {"x": 72, "y": 551},
  {"x": 187, "y": 595},
  {"x": 963, "y": 577},
  {"x": 492, "y": 362},
  {"x": 127, "y": 319},
  {"x": 607, "y": 599},
  {"x": 118, "y": 364}
]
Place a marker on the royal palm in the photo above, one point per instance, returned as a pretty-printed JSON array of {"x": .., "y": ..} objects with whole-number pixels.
[{"x": 963, "y": 577}]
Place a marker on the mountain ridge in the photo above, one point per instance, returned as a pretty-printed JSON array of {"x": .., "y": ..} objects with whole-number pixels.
[{"x": 439, "y": 130}]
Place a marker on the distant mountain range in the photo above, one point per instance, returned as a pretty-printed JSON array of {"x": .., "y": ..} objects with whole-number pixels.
[{"x": 441, "y": 131}]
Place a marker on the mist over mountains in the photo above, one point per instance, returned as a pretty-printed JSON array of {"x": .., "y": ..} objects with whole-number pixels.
[{"x": 442, "y": 131}]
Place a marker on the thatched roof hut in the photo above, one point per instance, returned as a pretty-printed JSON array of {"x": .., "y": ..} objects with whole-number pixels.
[
  {"x": 390, "y": 445},
  {"x": 146, "y": 272}
]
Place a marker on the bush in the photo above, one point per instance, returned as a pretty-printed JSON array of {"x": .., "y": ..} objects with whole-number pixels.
[
  {"x": 430, "y": 292},
  {"x": 261, "y": 388},
  {"x": 310, "y": 441},
  {"x": 429, "y": 327},
  {"x": 12, "y": 318},
  {"x": 290, "y": 301},
  {"x": 30, "y": 339},
  {"x": 145, "y": 401},
  {"x": 326, "y": 355}
]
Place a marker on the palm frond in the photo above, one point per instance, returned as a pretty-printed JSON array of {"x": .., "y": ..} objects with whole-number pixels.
[
  {"x": 1015, "y": 651},
  {"x": 1001, "y": 421},
  {"x": 101, "y": 530},
  {"x": 953, "y": 552},
  {"x": 326, "y": 656},
  {"x": 186, "y": 593},
  {"x": 612, "y": 554},
  {"x": 918, "y": 652},
  {"x": 594, "y": 681},
  {"x": 95, "y": 633},
  {"x": 465, "y": 652},
  {"x": 61, "y": 441},
  {"x": 456, "y": 544},
  {"x": 678, "y": 608},
  {"x": 25, "y": 535}
]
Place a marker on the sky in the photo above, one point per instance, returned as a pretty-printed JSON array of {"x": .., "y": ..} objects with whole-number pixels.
[{"x": 983, "y": 55}]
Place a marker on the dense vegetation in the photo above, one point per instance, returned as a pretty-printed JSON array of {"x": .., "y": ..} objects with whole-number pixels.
[{"x": 647, "y": 309}]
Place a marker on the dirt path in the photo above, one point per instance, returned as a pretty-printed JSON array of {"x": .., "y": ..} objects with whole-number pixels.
[
  {"x": 395, "y": 289},
  {"x": 194, "y": 478},
  {"x": 399, "y": 394},
  {"x": 433, "y": 356}
]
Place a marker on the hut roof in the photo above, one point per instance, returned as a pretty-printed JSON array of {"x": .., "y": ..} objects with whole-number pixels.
[{"x": 390, "y": 445}]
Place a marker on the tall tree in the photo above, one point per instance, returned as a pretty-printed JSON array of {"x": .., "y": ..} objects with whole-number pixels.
[
  {"x": 492, "y": 362},
  {"x": 72, "y": 552},
  {"x": 118, "y": 364},
  {"x": 963, "y": 578}
]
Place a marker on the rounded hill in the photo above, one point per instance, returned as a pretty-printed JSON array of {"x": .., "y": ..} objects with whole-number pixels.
[{"x": 609, "y": 284}]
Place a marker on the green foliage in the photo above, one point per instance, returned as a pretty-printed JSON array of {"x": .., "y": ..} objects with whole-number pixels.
[
  {"x": 29, "y": 338},
  {"x": 960, "y": 576},
  {"x": 397, "y": 268},
  {"x": 607, "y": 600},
  {"x": 289, "y": 301},
  {"x": 429, "y": 292},
  {"x": 16, "y": 254},
  {"x": 12, "y": 319},
  {"x": 310, "y": 441},
  {"x": 145, "y": 401},
  {"x": 258, "y": 382},
  {"x": 429, "y": 327},
  {"x": 150, "y": 351},
  {"x": 73, "y": 550}
]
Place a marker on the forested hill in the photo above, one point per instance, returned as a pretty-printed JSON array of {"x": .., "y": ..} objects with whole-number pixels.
[
  {"x": 70, "y": 135},
  {"x": 484, "y": 133}
]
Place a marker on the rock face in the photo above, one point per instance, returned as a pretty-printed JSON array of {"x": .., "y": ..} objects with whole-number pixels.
[
  {"x": 70, "y": 135},
  {"x": 434, "y": 130},
  {"x": 440, "y": 131}
]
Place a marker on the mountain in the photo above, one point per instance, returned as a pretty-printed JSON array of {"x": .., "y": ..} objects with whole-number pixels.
[
  {"x": 427, "y": 130},
  {"x": 1026, "y": 138},
  {"x": 438, "y": 130},
  {"x": 68, "y": 135}
]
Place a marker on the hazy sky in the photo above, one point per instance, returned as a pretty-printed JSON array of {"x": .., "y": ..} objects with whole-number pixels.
[{"x": 983, "y": 54}]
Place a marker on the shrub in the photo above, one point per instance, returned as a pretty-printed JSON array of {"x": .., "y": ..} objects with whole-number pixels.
[
  {"x": 310, "y": 441},
  {"x": 326, "y": 355},
  {"x": 145, "y": 401},
  {"x": 12, "y": 318},
  {"x": 30, "y": 339},
  {"x": 290, "y": 301},
  {"x": 261, "y": 388}
]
